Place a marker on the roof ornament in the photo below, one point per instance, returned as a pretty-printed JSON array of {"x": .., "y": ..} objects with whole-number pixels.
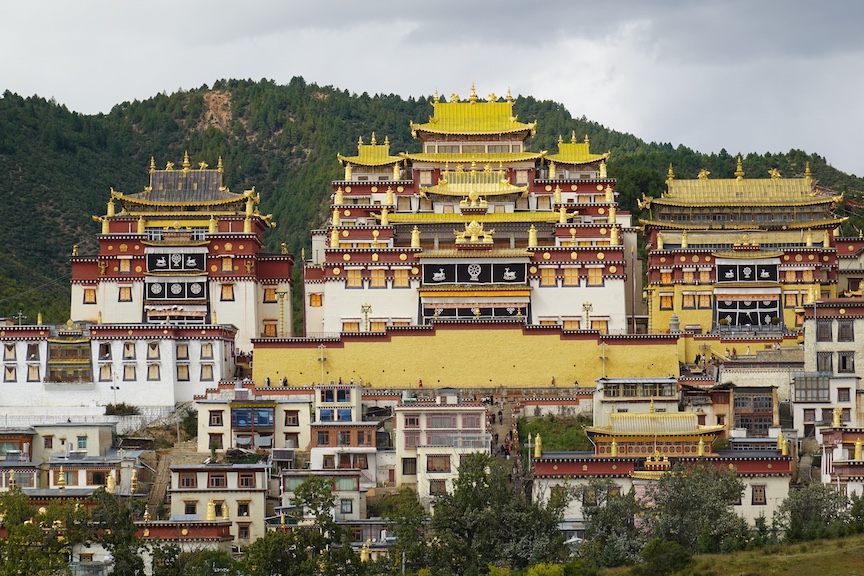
[
  {"x": 169, "y": 166},
  {"x": 651, "y": 405},
  {"x": 152, "y": 164},
  {"x": 373, "y": 142},
  {"x": 573, "y": 137},
  {"x": 587, "y": 140},
  {"x": 386, "y": 140},
  {"x": 186, "y": 163},
  {"x": 560, "y": 140},
  {"x": 492, "y": 97},
  {"x": 219, "y": 166},
  {"x": 436, "y": 99},
  {"x": 202, "y": 165},
  {"x": 360, "y": 141},
  {"x": 739, "y": 169},
  {"x": 670, "y": 175},
  {"x": 454, "y": 97},
  {"x": 473, "y": 96},
  {"x": 775, "y": 174},
  {"x": 808, "y": 176},
  {"x": 703, "y": 174},
  {"x": 509, "y": 97}
]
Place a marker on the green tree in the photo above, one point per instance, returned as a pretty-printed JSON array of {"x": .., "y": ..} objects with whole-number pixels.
[
  {"x": 407, "y": 520},
  {"x": 37, "y": 541},
  {"x": 114, "y": 517},
  {"x": 812, "y": 511},
  {"x": 612, "y": 537},
  {"x": 692, "y": 505},
  {"x": 661, "y": 558}
]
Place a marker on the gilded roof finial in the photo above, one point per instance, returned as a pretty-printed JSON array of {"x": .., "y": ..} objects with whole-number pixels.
[
  {"x": 202, "y": 165},
  {"x": 169, "y": 166},
  {"x": 573, "y": 137},
  {"x": 219, "y": 165},
  {"x": 703, "y": 174},
  {"x": 509, "y": 97},
  {"x": 386, "y": 140},
  {"x": 775, "y": 173},
  {"x": 61, "y": 479},
  {"x": 651, "y": 406},
  {"x": 560, "y": 140},
  {"x": 360, "y": 141},
  {"x": 152, "y": 164},
  {"x": 739, "y": 170},
  {"x": 373, "y": 141},
  {"x": 454, "y": 97},
  {"x": 186, "y": 163},
  {"x": 670, "y": 175},
  {"x": 808, "y": 176},
  {"x": 473, "y": 96},
  {"x": 436, "y": 98},
  {"x": 492, "y": 97}
]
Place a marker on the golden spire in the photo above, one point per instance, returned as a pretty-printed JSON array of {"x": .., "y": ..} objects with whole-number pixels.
[
  {"x": 152, "y": 164},
  {"x": 560, "y": 140},
  {"x": 146, "y": 514},
  {"x": 436, "y": 98},
  {"x": 61, "y": 480},
  {"x": 509, "y": 97},
  {"x": 373, "y": 141},
  {"x": 651, "y": 405},
  {"x": 739, "y": 170},
  {"x": 386, "y": 140},
  {"x": 587, "y": 140},
  {"x": 670, "y": 175},
  {"x": 360, "y": 141},
  {"x": 186, "y": 163},
  {"x": 808, "y": 176},
  {"x": 473, "y": 96},
  {"x": 219, "y": 165}
]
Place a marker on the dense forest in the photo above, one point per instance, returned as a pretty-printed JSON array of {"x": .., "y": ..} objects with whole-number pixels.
[{"x": 57, "y": 167}]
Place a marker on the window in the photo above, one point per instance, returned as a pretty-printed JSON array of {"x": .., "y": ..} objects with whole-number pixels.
[
  {"x": 845, "y": 415},
  {"x": 845, "y": 362},
  {"x": 125, "y": 294},
  {"x": 243, "y": 531},
  {"x": 790, "y": 276},
  {"x": 470, "y": 421},
  {"x": 378, "y": 326},
  {"x": 759, "y": 495},
  {"x": 246, "y": 480},
  {"x": 216, "y": 418},
  {"x": 33, "y": 373},
  {"x": 355, "y": 278},
  {"x": 437, "y": 487},
  {"x": 823, "y": 330},
  {"x": 571, "y": 277},
  {"x": 153, "y": 350},
  {"x": 183, "y": 372},
  {"x": 441, "y": 421},
  {"x": 9, "y": 352},
  {"x": 48, "y": 442},
  {"x": 153, "y": 372},
  {"x": 412, "y": 440},
  {"x": 807, "y": 276},
  {"x": 438, "y": 463},
  {"x": 207, "y": 372},
  {"x": 377, "y": 278},
  {"x": 843, "y": 395},
  {"x": 10, "y": 374},
  {"x": 595, "y": 276},
  {"x": 190, "y": 507},
  {"x": 409, "y": 466},
  {"x": 292, "y": 418},
  {"x": 329, "y": 462},
  {"x": 270, "y": 329},
  {"x": 344, "y": 460},
  {"x": 292, "y": 440},
  {"x": 82, "y": 442},
  {"x": 89, "y": 296},
  {"x": 547, "y": 276},
  {"x": 323, "y": 438},
  {"x": 827, "y": 415},
  {"x": 227, "y": 264},
  {"x": 242, "y": 509},
  {"x": 790, "y": 299},
  {"x": 823, "y": 362},
  {"x": 412, "y": 420},
  {"x": 688, "y": 301},
  {"x": 346, "y": 506},
  {"x": 227, "y": 292},
  {"x": 361, "y": 462},
  {"x": 571, "y": 324},
  {"x": 705, "y": 301},
  {"x": 343, "y": 438},
  {"x": 845, "y": 331},
  {"x": 705, "y": 276},
  {"x": 688, "y": 276},
  {"x": 666, "y": 277},
  {"x": 216, "y": 442},
  {"x": 128, "y": 350},
  {"x": 400, "y": 278},
  {"x": 315, "y": 300},
  {"x": 217, "y": 480},
  {"x": 601, "y": 326},
  {"x": 350, "y": 326},
  {"x": 182, "y": 351},
  {"x": 809, "y": 415},
  {"x": 364, "y": 438},
  {"x": 326, "y": 415},
  {"x": 85, "y": 557},
  {"x": 811, "y": 389},
  {"x": 666, "y": 301},
  {"x": 270, "y": 295},
  {"x": 96, "y": 477},
  {"x": 129, "y": 372},
  {"x": 207, "y": 351}
]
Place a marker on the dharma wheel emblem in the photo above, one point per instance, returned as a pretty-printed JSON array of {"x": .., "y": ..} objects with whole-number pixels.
[
  {"x": 176, "y": 288},
  {"x": 195, "y": 288},
  {"x": 156, "y": 288},
  {"x": 474, "y": 271}
]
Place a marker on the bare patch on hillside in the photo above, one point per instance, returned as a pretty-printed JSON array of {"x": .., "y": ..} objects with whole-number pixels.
[{"x": 217, "y": 111}]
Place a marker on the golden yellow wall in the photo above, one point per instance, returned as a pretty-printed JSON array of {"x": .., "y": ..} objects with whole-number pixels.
[{"x": 468, "y": 358}]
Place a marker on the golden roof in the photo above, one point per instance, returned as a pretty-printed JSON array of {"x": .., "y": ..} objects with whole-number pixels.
[
  {"x": 472, "y": 253},
  {"x": 372, "y": 154},
  {"x": 439, "y": 218},
  {"x": 741, "y": 192},
  {"x": 480, "y": 158},
  {"x": 473, "y": 117},
  {"x": 821, "y": 223},
  {"x": 574, "y": 152},
  {"x": 653, "y": 424},
  {"x": 473, "y": 183}
]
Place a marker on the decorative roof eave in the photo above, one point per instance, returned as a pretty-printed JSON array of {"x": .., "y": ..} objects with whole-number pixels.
[
  {"x": 699, "y": 203},
  {"x": 458, "y": 191},
  {"x": 478, "y": 158},
  {"x": 225, "y": 196},
  {"x": 468, "y": 253},
  {"x": 749, "y": 256},
  {"x": 424, "y": 218},
  {"x": 369, "y": 160},
  {"x": 813, "y": 224},
  {"x": 563, "y": 158}
]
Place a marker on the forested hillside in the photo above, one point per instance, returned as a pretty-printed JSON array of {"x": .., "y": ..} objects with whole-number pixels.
[{"x": 57, "y": 167}]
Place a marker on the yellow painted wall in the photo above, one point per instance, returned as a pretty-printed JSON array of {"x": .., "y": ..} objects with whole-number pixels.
[{"x": 489, "y": 356}]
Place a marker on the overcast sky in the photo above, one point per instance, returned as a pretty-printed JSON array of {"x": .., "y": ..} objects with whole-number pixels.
[{"x": 744, "y": 75}]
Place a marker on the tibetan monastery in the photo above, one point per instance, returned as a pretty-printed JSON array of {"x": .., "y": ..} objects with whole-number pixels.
[
  {"x": 473, "y": 228},
  {"x": 185, "y": 251},
  {"x": 739, "y": 254}
]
